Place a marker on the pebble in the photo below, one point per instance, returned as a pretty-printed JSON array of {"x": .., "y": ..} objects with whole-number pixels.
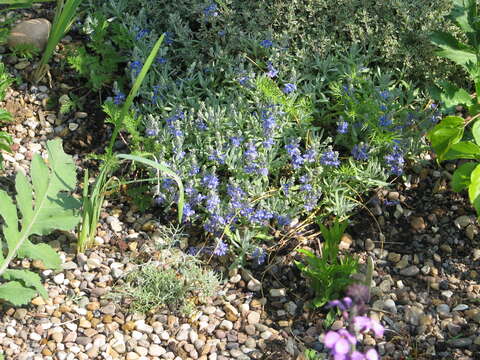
[
  {"x": 254, "y": 285},
  {"x": 253, "y": 318},
  {"x": 59, "y": 278},
  {"x": 156, "y": 350},
  {"x": 462, "y": 221},
  {"x": 277, "y": 292},
  {"x": 410, "y": 271}
]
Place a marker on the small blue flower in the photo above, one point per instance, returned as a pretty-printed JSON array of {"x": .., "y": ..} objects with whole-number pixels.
[
  {"x": 283, "y": 220},
  {"x": 141, "y": 34},
  {"x": 330, "y": 158},
  {"x": 168, "y": 37},
  {"x": 210, "y": 181},
  {"x": 310, "y": 156},
  {"x": 221, "y": 249},
  {"x": 212, "y": 202},
  {"x": 222, "y": 33},
  {"x": 187, "y": 211},
  {"x": 260, "y": 216},
  {"x": 342, "y": 127},
  {"x": 119, "y": 98},
  {"x": 385, "y": 121},
  {"x": 360, "y": 152},
  {"x": 136, "y": 66},
  {"x": 384, "y": 94},
  {"x": 268, "y": 143},
  {"x": 236, "y": 141},
  {"x": 395, "y": 161},
  {"x": 251, "y": 152},
  {"x": 289, "y": 88},
  {"x": 266, "y": 43},
  {"x": 244, "y": 80},
  {"x": 272, "y": 72},
  {"x": 151, "y": 132},
  {"x": 160, "y": 60},
  {"x": 263, "y": 171},
  {"x": 259, "y": 255},
  {"x": 211, "y": 10}
]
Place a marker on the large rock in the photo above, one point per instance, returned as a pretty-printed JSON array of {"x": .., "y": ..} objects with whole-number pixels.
[{"x": 33, "y": 31}]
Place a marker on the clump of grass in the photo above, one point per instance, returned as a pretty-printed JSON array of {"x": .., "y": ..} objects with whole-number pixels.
[{"x": 173, "y": 279}]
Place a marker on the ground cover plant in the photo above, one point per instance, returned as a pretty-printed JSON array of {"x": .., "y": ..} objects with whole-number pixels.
[
  {"x": 5, "y": 116},
  {"x": 256, "y": 143}
]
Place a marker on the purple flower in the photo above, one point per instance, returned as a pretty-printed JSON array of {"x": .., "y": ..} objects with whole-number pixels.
[
  {"x": 283, "y": 220},
  {"x": 268, "y": 143},
  {"x": 187, "y": 211},
  {"x": 236, "y": 140},
  {"x": 342, "y": 127},
  {"x": 364, "y": 323},
  {"x": 119, "y": 98},
  {"x": 385, "y": 121},
  {"x": 136, "y": 66},
  {"x": 272, "y": 72},
  {"x": 251, "y": 152},
  {"x": 286, "y": 188},
  {"x": 343, "y": 304},
  {"x": 210, "y": 181},
  {"x": 243, "y": 80},
  {"x": 289, "y": 88},
  {"x": 384, "y": 94},
  {"x": 168, "y": 37},
  {"x": 194, "y": 170},
  {"x": 266, "y": 43},
  {"x": 141, "y": 34},
  {"x": 395, "y": 161},
  {"x": 217, "y": 156},
  {"x": 151, "y": 132},
  {"x": 263, "y": 171},
  {"x": 211, "y": 10},
  {"x": 261, "y": 216},
  {"x": 250, "y": 169},
  {"x": 214, "y": 223},
  {"x": 330, "y": 158},
  {"x": 160, "y": 60},
  {"x": 212, "y": 202},
  {"x": 221, "y": 249},
  {"x": 259, "y": 255},
  {"x": 310, "y": 156},
  {"x": 360, "y": 152},
  {"x": 339, "y": 342},
  {"x": 268, "y": 122}
]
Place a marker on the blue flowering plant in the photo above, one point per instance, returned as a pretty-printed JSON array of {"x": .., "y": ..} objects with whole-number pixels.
[{"x": 329, "y": 274}]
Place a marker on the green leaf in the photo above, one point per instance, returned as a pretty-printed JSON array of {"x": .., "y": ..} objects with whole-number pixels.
[
  {"x": 462, "y": 14},
  {"x": 452, "y": 95},
  {"x": 166, "y": 170},
  {"x": 29, "y": 279},
  {"x": 16, "y": 293},
  {"x": 448, "y": 132},
  {"x": 461, "y": 176},
  {"x": 53, "y": 208},
  {"x": 476, "y": 131},
  {"x": 474, "y": 188},
  {"x": 463, "y": 150},
  {"x": 452, "y": 49}
]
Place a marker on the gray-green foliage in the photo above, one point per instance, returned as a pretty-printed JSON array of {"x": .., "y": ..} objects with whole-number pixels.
[
  {"x": 44, "y": 205},
  {"x": 392, "y": 34},
  {"x": 172, "y": 279}
]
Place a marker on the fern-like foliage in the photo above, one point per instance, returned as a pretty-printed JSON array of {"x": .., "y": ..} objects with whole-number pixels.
[{"x": 44, "y": 205}]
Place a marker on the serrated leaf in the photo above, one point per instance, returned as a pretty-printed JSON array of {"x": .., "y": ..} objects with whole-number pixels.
[
  {"x": 474, "y": 188},
  {"x": 53, "y": 207},
  {"x": 452, "y": 95},
  {"x": 453, "y": 49},
  {"x": 28, "y": 278},
  {"x": 16, "y": 293},
  {"x": 446, "y": 133},
  {"x": 461, "y": 176},
  {"x": 463, "y": 150}
]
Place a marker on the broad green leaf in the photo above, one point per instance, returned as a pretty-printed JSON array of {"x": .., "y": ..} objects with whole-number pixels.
[
  {"x": 452, "y": 95},
  {"x": 462, "y": 13},
  {"x": 446, "y": 133},
  {"x": 476, "y": 131},
  {"x": 29, "y": 278},
  {"x": 463, "y": 150},
  {"x": 461, "y": 176},
  {"x": 474, "y": 188},
  {"x": 452, "y": 49},
  {"x": 16, "y": 293},
  {"x": 50, "y": 206}
]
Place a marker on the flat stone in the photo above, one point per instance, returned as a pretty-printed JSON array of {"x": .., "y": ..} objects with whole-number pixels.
[
  {"x": 277, "y": 292},
  {"x": 461, "y": 342},
  {"x": 156, "y": 350},
  {"x": 410, "y": 271},
  {"x": 460, "y": 307},
  {"x": 462, "y": 221},
  {"x": 33, "y": 32},
  {"x": 253, "y": 318},
  {"x": 226, "y": 325},
  {"x": 254, "y": 285}
]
